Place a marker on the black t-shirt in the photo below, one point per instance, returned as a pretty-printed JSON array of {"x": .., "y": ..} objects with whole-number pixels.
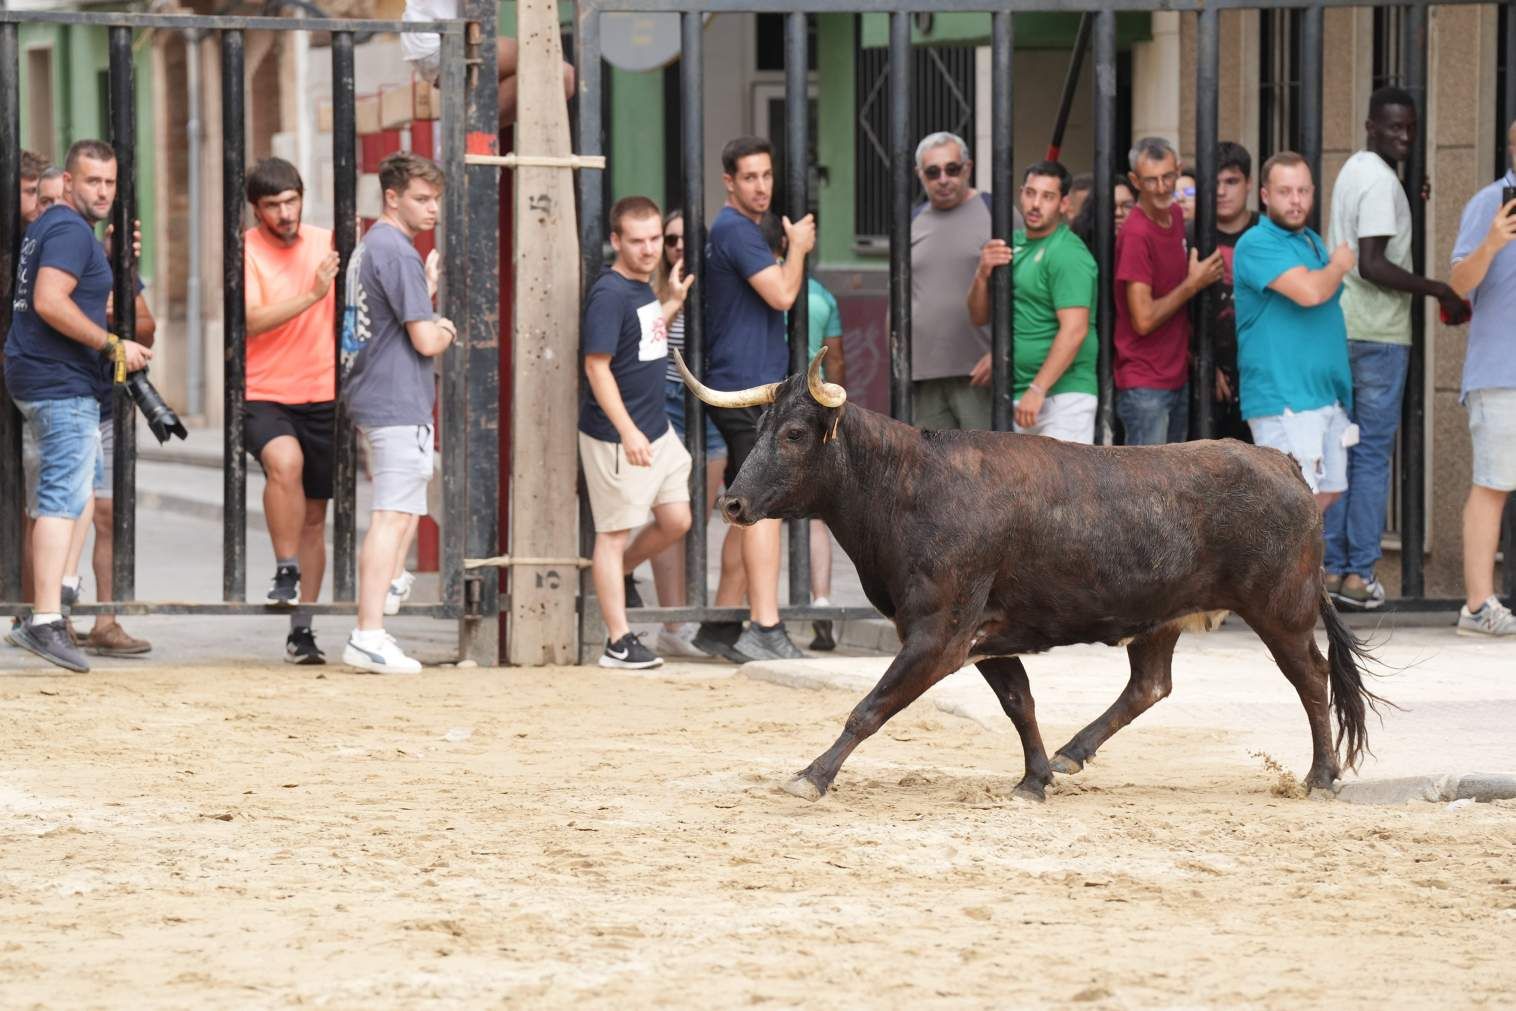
[
  {"x": 622, "y": 318},
  {"x": 1223, "y": 312}
]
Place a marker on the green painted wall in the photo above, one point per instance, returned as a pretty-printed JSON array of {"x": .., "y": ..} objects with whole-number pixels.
[
  {"x": 836, "y": 137},
  {"x": 636, "y": 150},
  {"x": 80, "y": 56},
  {"x": 1032, "y": 31}
]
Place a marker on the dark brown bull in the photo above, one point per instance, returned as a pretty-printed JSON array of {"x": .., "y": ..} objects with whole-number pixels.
[{"x": 983, "y": 546}]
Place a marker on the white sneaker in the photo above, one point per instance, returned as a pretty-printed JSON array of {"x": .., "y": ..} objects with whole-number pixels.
[
  {"x": 398, "y": 593},
  {"x": 1492, "y": 618},
  {"x": 678, "y": 643},
  {"x": 386, "y": 658}
]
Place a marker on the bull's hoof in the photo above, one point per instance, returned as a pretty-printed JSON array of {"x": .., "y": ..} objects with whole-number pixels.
[
  {"x": 1030, "y": 792},
  {"x": 803, "y": 788},
  {"x": 1064, "y": 765}
]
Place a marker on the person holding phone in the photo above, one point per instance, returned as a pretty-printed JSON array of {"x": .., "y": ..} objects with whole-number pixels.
[{"x": 1484, "y": 270}]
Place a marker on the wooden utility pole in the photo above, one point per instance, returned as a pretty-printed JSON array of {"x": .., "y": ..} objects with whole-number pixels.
[{"x": 544, "y": 515}]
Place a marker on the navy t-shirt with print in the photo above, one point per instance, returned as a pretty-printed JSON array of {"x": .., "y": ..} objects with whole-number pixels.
[
  {"x": 744, "y": 335},
  {"x": 622, "y": 318},
  {"x": 41, "y": 363}
]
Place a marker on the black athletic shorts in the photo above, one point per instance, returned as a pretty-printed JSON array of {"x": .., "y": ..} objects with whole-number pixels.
[
  {"x": 263, "y": 421},
  {"x": 739, "y": 427}
]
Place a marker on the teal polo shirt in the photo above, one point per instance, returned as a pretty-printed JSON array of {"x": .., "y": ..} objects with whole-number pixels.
[{"x": 1288, "y": 356}]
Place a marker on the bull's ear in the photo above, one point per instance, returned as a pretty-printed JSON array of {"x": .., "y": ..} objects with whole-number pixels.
[{"x": 831, "y": 433}]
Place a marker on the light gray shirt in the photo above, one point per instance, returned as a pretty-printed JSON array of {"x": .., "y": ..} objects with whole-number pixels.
[
  {"x": 1368, "y": 201},
  {"x": 386, "y": 381},
  {"x": 944, "y": 256}
]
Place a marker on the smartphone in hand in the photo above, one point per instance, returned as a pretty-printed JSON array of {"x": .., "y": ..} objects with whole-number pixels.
[{"x": 1507, "y": 194}]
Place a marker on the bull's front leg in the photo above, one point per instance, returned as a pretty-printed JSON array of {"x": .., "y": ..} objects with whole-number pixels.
[{"x": 919, "y": 665}]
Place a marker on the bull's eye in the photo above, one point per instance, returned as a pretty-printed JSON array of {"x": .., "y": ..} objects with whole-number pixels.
[{"x": 795, "y": 434}]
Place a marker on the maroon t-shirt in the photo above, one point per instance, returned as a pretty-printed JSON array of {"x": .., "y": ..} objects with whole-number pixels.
[{"x": 1158, "y": 258}]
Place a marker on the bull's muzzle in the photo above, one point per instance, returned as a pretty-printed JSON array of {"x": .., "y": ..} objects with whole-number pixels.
[{"x": 734, "y": 508}]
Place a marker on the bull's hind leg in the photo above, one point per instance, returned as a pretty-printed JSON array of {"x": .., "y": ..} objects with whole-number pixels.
[
  {"x": 917, "y": 667},
  {"x": 1300, "y": 659},
  {"x": 1152, "y": 657},
  {"x": 1007, "y": 679}
]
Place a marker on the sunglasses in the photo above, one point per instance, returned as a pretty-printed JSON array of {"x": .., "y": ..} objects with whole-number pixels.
[
  {"x": 673, "y": 240},
  {"x": 934, "y": 172}
]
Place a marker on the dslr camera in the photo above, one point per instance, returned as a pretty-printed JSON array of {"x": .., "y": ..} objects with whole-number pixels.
[{"x": 159, "y": 416}]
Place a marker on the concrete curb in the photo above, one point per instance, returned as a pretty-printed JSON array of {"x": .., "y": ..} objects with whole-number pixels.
[{"x": 1481, "y": 787}]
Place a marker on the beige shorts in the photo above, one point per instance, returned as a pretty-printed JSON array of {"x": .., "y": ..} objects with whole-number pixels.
[{"x": 621, "y": 495}]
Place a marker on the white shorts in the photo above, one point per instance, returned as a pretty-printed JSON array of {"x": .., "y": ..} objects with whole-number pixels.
[
  {"x": 1492, "y": 423},
  {"x": 1318, "y": 439},
  {"x": 428, "y": 66},
  {"x": 1067, "y": 417},
  {"x": 401, "y": 460},
  {"x": 622, "y": 495}
]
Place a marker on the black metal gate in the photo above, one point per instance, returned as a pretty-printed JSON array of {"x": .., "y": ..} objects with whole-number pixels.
[
  {"x": 1304, "y": 93},
  {"x": 470, "y": 248}
]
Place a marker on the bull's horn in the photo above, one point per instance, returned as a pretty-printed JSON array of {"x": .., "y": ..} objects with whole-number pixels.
[
  {"x": 754, "y": 397},
  {"x": 826, "y": 394}
]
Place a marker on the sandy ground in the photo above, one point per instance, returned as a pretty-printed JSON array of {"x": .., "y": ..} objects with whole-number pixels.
[{"x": 268, "y": 836}]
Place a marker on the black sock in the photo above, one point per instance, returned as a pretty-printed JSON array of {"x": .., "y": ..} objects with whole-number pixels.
[{"x": 776, "y": 626}]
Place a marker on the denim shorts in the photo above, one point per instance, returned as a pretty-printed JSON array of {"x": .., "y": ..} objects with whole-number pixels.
[
  {"x": 1492, "y": 423},
  {"x": 1317, "y": 439},
  {"x": 673, "y": 404},
  {"x": 67, "y": 434}
]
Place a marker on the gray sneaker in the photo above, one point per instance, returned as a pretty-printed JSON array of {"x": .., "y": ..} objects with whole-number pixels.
[
  {"x": 766, "y": 644},
  {"x": 52, "y": 643},
  {"x": 1492, "y": 618},
  {"x": 1359, "y": 595}
]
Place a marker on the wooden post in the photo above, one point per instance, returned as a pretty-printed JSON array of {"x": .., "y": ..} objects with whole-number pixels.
[{"x": 544, "y": 516}]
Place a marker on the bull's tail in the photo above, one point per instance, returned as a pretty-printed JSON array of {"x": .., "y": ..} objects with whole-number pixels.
[{"x": 1351, "y": 699}]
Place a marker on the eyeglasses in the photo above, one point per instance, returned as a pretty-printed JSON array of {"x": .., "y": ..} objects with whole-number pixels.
[
  {"x": 1188, "y": 191},
  {"x": 934, "y": 172},
  {"x": 1158, "y": 182},
  {"x": 673, "y": 240}
]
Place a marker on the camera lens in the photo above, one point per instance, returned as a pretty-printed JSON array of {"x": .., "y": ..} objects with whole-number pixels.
[{"x": 160, "y": 417}]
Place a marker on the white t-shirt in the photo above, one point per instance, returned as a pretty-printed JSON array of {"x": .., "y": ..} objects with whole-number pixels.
[
  {"x": 1368, "y": 200},
  {"x": 425, "y": 45}
]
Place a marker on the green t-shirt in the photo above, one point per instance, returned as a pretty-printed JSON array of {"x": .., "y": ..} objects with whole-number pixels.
[
  {"x": 1051, "y": 273},
  {"x": 825, "y": 318}
]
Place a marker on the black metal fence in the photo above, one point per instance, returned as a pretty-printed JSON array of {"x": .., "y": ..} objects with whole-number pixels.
[
  {"x": 470, "y": 253},
  {"x": 900, "y": 145}
]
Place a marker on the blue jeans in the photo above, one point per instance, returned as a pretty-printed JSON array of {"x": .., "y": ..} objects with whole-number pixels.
[
  {"x": 1355, "y": 522},
  {"x": 68, "y": 448},
  {"x": 1154, "y": 417}
]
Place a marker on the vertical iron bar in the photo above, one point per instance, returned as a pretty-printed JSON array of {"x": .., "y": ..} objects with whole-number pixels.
[
  {"x": 590, "y": 73},
  {"x": 123, "y": 116},
  {"x": 692, "y": 129},
  {"x": 1502, "y": 143},
  {"x": 901, "y": 165},
  {"x": 1207, "y": 84},
  {"x": 797, "y": 167},
  {"x": 455, "y": 277},
  {"x": 1105, "y": 221},
  {"x": 345, "y": 233},
  {"x": 1413, "y": 420},
  {"x": 10, "y": 241},
  {"x": 479, "y": 639},
  {"x": 1002, "y": 198},
  {"x": 234, "y": 315},
  {"x": 1310, "y": 100}
]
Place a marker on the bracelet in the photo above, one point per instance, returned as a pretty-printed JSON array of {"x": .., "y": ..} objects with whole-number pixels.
[
  {"x": 1034, "y": 388},
  {"x": 117, "y": 354}
]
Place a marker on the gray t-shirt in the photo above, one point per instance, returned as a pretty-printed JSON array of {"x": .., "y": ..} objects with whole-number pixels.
[
  {"x": 385, "y": 380},
  {"x": 1368, "y": 200},
  {"x": 944, "y": 256}
]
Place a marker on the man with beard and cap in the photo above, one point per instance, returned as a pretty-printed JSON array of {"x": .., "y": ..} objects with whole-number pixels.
[
  {"x": 290, "y": 410},
  {"x": 1292, "y": 350},
  {"x": 1054, "y": 279},
  {"x": 1371, "y": 213},
  {"x": 747, "y": 293},
  {"x": 53, "y": 360}
]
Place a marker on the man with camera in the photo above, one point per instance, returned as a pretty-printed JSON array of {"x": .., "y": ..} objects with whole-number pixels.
[
  {"x": 291, "y": 387},
  {"x": 53, "y": 358}
]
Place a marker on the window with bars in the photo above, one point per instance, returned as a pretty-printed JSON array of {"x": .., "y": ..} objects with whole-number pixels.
[
  {"x": 1278, "y": 82},
  {"x": 943, "y": 97}
]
